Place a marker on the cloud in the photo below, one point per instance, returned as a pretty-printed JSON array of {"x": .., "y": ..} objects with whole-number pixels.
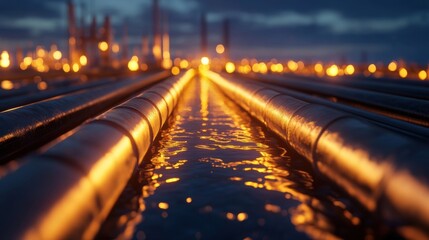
[{"x": 328, "y": 19}]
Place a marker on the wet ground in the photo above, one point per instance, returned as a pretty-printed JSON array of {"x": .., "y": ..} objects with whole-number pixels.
[{"x": 216, "y": 173}]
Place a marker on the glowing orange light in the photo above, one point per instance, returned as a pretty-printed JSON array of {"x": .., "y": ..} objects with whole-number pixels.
[
  {"x": 103, "y": 46},
  {"x": 292, "y": 65},
  {"x": 188, "y": 200},
  {"x": 423, "y": 75},
  {"x": 172, "y": 180},
  {"x": 41, "y": 52},
  {"x": 175, "y": 71},
  {"x": 403, "y": 73},
  {"x": 184, "y": 64},
  {"x": 205, "y": 61},
  {"x": 115, "y": 48},
  {"x": 42, "y": 85},
  {"x": 163, "y": 205},
  {"x": 57, "y": 55},
  {"x": 75, "y": 67},
  {"x": 230, "y": 216},
  {"x": 318, "y": 67},
  {"x": 4, "y": 59},
  {"x": 241, "y": 217},
  {"x": 66, "y": 68},
  {"x": 332, "y": 71},
  {"x": 27, "y": 61},
  {"x": 220, "y": 49},
  {"x": 230, "y": 67},
  {"x": 7, "y": 85},
  {"x": 372, "y": 68},
  {"x": 393, "y": 66},
  {"x": 350, "y": 70},
  {"x": 263, "y": 68},
  {"x": 83, "y": 60},
  {"x": 133, "y": 64}
]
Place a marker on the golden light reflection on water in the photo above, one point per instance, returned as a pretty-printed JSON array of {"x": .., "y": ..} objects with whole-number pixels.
[{"x": 240, "y": 156}]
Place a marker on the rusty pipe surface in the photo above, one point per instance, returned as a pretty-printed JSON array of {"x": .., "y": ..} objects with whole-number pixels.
[
  {"x": 415, "y": 111},
  {"x": 68, "y": 190},
  {"x": 386, "y": 171},
  {"x": 32, "y": 125}
]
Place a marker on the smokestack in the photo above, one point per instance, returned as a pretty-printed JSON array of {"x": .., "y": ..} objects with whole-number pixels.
[
  {"x": 226, "y": 38},
  {"x": 204, "y": 40},
  {"x": 157, "y": 41},
  {"x": 72, "y": 32},
  {"x": 166, "y": 56},
  {"x": 107, "y": 31},
  {"x": 125, "y": 43}
]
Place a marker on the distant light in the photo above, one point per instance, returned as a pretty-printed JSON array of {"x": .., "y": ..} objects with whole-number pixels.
[
  {"x": 263, "y": 68},
  {"x": 83, "y": 60},
  {"x": 103, "y": 46},
  {"x": 230, "y": 216},
  {"x": 172, "y": 180},
  {"x": 230, "y": 67},
  {"x": 57, "y": 55},
  {"x": 175, "y": 71},
  {"x": 188, "y": 200},
  {"x": 292, "y": 65},
  {"x": 27, "y": 61},
  {"x": 184, "y": 64},
  {"x": 66, "y": 68},
  {"x": 403, "y": 73},
  {"x": 241, "y": 217},
  {"x": 372, "y": 68},
  {"x": 423, "y": 75},
  {"x": 393, "y": 66},
  {"x": 205, "y": 61},
  {"x": 41, "y": 53},
  {"x": 7, "y": 85},
  {"x": 144, "y": 67},
  {"x": 318, "y": 68},
  {"x": 4, "y": 59},
  {"x": 42, "y": 85},
  {"x": 75, "y": 67},
  {"x": 163, "y": 205},
  {"x": 350, "y": 70},
  {"x": 220, "y": 49},
  {"x": 133, "y": 64},
  {"x": 332, "y": 71},
  {"x": 115, "y": 48}
]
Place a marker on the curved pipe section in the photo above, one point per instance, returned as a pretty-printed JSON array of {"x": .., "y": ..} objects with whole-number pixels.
[
  {"x": 386, "y": 171},
  {"x": 67, "y": 191}
]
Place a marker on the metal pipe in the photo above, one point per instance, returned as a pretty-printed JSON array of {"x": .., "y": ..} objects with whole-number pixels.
[
  {"x": 396, "y": 125},
  {"x": 67, "y": 191},
  {"x": 18, "y": 101},
  {"x": 379, "y": 167},
  {"x": 411, "y": 91},
  {"x": 25, "y": 128},
  {"x": 411, "y": 110}
]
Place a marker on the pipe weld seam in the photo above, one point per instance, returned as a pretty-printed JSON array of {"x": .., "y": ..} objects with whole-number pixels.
[
  {"x": 151, "y": 132},
  {"x": 166, "y": 103},
  {"x": 121, "y": 129}
]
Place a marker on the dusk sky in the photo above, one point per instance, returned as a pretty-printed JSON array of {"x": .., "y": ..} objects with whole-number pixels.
[{"x": 283, "y": 29}]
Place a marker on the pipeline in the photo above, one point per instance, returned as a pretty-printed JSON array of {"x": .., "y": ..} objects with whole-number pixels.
[
  {"x": 67, "y": 191},
  {"x": 18, "y": 101},
  {"x": 396, "y": 125},
  {"x": 415, "y": 111},
  {"x": 418, "y": 92},
  {"x": 384, "y": 170},
  {"x": 25, "y": 128}
]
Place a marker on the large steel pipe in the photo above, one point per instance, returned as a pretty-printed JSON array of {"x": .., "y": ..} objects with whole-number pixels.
[
  {"x": 408, "y": 128},
  {"x": 407, "y": 109},
  {"x": 32, "y": 125},
  {"x": 18, "y": 101},
  {"x": 411, "y": 91},
  {"x": 384, "y": 170},
  {"x": 67, "y": 191}
]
